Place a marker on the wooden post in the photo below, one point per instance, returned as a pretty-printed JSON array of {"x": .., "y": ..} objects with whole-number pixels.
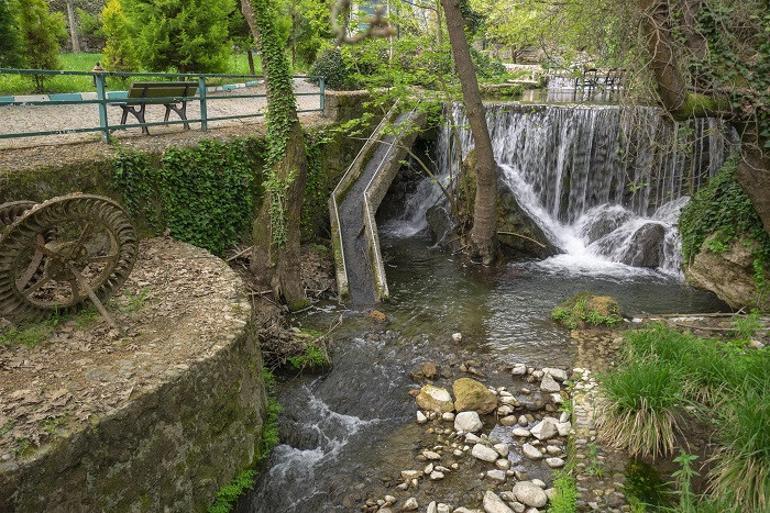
[{"x": 102, "y": 97}]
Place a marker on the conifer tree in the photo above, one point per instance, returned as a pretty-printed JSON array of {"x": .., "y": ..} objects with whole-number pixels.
[
  {"x": 10, "y": 55},
  {"x": 41, "y": 34}
]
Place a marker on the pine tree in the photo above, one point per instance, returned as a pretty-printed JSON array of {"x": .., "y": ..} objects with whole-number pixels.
[
  {"x": 119, "y": 54},
  {"x": 10, "y": 54},
  {"x": 186, "y": 35},
  {"x": 41, "y": 35}
]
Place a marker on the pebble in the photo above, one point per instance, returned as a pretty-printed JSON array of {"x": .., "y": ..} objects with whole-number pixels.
[
  {"x": 553, "y": 450},
  {"x": 436, "y": 475},
  {"x": 494, "y": 504},
  {"x": 545, "y": 429},
  {"x": 557, "y": 374},
  {"x": 472, "y": 439},
  {"x": 563, "y": 428},
  {"x": 503, "y": 464},
  {"x": 484, "y": 453},
  {"x": 496, "y": 475},
  {"x": 523, "y": 421},
  {"x": 521, "y": 432},
  {"x": 457, "y": 337},
  {"x": 428, "y": 469},
  {"x": 448, "y": 416},
  {"x": 502, "y": 449},
  {"x": 409, "y": 474},
  {"x": 443, "y": 508},
  {"x": 430, "y": 455},
  {"x": 509, "y": 420},
  {"x": 548, "y": 384},
  {"x": 538, "y": 482},
  {"x": 432, "y": 508},
  {"x": 468, "y": 422},
  {"x": 421, "y": 418},
  {"x": 519, "y": 369},
  {"x": 410, "y": 505},
  {"x": 554, "y": 462},
  {"x": 532, "y": 452},
  {"x": 564, "y": 417},
  {"x": 530, "y": 494}
]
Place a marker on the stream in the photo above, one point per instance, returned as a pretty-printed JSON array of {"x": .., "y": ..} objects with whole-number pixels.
[{"x": 347, "y": 434}]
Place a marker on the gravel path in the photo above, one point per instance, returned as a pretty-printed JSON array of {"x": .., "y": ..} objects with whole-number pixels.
[{"x": 62, "y": 117}]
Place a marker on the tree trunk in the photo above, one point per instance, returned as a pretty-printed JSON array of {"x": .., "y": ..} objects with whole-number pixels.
[
  {"x": 250, "y": 57},
  {"x": 754, "y": 169},
  {"x": 73, "y": 23},
  {"x": 276, "y": 231},
  {"x": 483, "y": 233}
]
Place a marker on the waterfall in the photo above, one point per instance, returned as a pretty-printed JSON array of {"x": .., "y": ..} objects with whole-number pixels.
[{"x": 605, "y": 183}]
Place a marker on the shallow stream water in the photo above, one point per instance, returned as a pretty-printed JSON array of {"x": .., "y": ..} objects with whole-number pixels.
[{"x": 347, "y": 434}]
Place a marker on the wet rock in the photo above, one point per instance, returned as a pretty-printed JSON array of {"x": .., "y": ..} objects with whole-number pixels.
[
  {"x": 520, "y": 432},
  {"x": 457, "y": 338},
  {"x": 503, "y": 464},
  {"x": 377, "y": 316},
  {"x": 436, "y": 475},
  {"x": 389, "y": 500},
  {"x": 432, "y": 508},
  {"x": 409, "y": 474},
  {"x": 523, "y": 421},
  {"x": 421, "y": 418},
  {"x": 426, "y": 370},
  {"x": 645, "y": 249},
  {"x": 518, "y": 507},
  {"x": 557, "y": 374},
  {"x": 564, "y": 428},
  {"x": 494, "y": 504},
  {"x": 530, "y": 494},
  {"x": 410, "y": 505},
  {"x": 431, "y": 455},
  {"x": 502, "y": 449},
  {"x": 466, "y": 510},
  {"x": 601, "y": 221},
  {"x": 519, "y": 369},
  {"x": 468, "y": 422},
  {"x": 448, "y": 416},
  {"x": 440, "y": 222},
  {"x": 496, "y": 475},
  {"x": 471, "y": 395},
  {"x": 508, "y": 420},
  {"x": 443, "y": 508},
  {"x": 549, "y": 385},
  {"x": 545, "y": 429},
  {"x": 484, "y": 453},
  {"x": 538, "y": 482},
  {"x": 531, "y": 452},
  {"x": 434, "y": 399}
]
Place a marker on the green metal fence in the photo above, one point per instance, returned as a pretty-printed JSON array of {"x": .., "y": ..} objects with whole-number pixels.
[{"x": 105, "y": 98}]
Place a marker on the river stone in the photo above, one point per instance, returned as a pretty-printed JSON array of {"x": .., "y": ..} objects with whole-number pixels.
[
  {"x": 443, "y": 508},
  {"x": 539, "y": 483},
  {"x": 421, "y": 418},
  {"x": 494, "y": 504},
  {"x": 468, "y": 422},
  {"x": 426, "y": 370},
  {"x": 518, "y": 507},
  {"x": 448, "y": 416},
  {"x": 532, "y": 452},
  {"x": 471, "y": 395},
  {"x": 520, "y": 432},
  {"x": 564, "y": 428},
  {"x": 508, "y": 420},
  {"x": 530, "y": 494},
  {"x": 433, "y": 398},
  {"x": 410, "y": 505},
  {"x": 502, "y": 449},
  {"x": 519, "y": 369},
  {"x": 496, "y": 475},
  {"x": 432, "y": 508},
  {"x": 545, "y": 429},
  {"x": 557, "y": 374},
  {"x": 484, "y": 453},
  {"x": 409, "y": 474},
  {"x": 554, "y": 462},
  {"x": 548, "y": 384},
  {"x": 601, "y": 221}
]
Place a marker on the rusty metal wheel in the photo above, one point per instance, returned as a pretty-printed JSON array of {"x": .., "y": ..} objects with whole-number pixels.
[
  {"x": 9, "y": 212},
  {"x": 60, "y": 252}
]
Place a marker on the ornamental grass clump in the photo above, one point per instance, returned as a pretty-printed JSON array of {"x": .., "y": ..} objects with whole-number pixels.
[
  {"x": 741, "y": 471},
  {"x": 640, "y": 402}
]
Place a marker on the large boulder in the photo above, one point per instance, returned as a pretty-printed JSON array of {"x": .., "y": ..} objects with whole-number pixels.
[
  {"x": 645, "y": 249},
  {"x": 471, "y": 395},
  {"x": 728, "y": 274},
  {"x": 601, "y": 221},
  {"x": 530, "y": 494},
  {"x": 434, "y": 398},
  {"x": 440, "y": 222}
]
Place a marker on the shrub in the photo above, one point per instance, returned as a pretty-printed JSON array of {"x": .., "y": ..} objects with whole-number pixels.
[
  {"x": 41, "y": 34},
  {"x": 313, "y": 357},
  {"x": 587, "y": 310},
  {"x": 331, "y": 66},
  {"x": 640, "y": 403},
  {"x": 10, "y": 54},
  {"x": 119, "y": 53},
  {"x": 565, "y": 495}
]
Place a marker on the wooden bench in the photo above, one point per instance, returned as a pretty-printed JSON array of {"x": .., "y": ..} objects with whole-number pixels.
[{"x": 172, "y": 95}]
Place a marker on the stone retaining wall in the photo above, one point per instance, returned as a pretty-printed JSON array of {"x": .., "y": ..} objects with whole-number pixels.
[{"x": 188, "y": 424}]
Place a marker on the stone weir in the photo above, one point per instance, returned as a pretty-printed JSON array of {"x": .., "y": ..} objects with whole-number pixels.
[{"x": 154, "y": 419}]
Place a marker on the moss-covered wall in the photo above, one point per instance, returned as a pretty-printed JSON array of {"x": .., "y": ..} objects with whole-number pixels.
[{"x": 204, "y": 194}]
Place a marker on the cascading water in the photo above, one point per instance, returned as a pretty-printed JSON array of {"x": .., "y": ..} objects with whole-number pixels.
[{"x": 606, "y": 184}]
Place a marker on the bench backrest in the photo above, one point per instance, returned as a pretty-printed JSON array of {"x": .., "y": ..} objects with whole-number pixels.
[{"x": 162, "y": 89}]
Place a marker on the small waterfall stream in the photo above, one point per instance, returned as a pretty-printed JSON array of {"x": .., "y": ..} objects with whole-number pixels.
[{"x": 605, "y": 183}]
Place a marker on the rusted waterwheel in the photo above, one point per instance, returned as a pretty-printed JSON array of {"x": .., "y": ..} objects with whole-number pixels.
[{"x": 59, "y": 252}]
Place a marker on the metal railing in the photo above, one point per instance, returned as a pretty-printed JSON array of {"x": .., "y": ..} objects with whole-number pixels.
[{"x": 103, "y": 100}]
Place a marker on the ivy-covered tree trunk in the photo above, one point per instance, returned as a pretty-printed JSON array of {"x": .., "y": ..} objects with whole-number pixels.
[
  {"x": 73, "y": 26},
  {"x": 675, "y": 96},
  {"x": 484, "y": 231},
  {"x": 276, "y": 231}
]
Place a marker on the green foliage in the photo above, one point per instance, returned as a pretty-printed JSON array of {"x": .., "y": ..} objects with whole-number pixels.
[
  {"x": 90, "y": 26},
  {"x": 331, "y": 66},
  {"x": 29, "y": 335},
  {"x": 119, "y": 51},
  {"x": 205, "y": 194},
  {"x": 565, "y": 495},
  {"x": 182, "y": 35},
  {"x": 227, "y": 495},
  {"x": 644, "y": 487},
  {"x": 747, "y": 326},
  {"x": 720, "y": 214},
  {"x": 41, "y": 34},
  {"x": 313, "y": 357},
  {"x": 587, "y": 310},
  {"x": 10, "y": 42}
]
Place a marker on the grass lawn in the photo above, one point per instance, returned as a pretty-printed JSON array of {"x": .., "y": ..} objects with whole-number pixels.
[{"x": 21, "y": 85}]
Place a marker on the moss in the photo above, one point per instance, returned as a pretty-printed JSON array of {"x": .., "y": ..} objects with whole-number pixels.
[
  {"x": 585, "y": 310},
  {"x": 644, "y": 488},
  {"x": 313, "y": 357},
  {"x": 228, "y": 494},
  {"x": 698, "y": 105}
]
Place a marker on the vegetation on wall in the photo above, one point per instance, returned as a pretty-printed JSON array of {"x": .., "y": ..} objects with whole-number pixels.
[
  {"x": 720, "y": 214},
  {"x": 585, "y": 309}
]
